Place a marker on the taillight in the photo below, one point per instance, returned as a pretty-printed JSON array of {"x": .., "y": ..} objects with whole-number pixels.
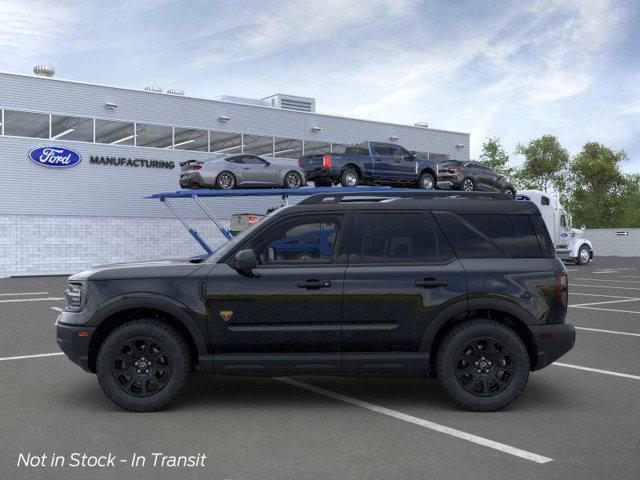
[
  {"x": 298, "y": 162},
  {"x": 562, "y": 289},
  {"x": 326, "y": 161},
  {"x": 454, "y": 170},
  {"x": 196, "y": 167},
  {"x": 251, "y": 219}
]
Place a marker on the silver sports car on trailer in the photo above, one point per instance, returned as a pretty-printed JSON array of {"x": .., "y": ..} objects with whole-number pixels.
[{"x": 231, "y": 171}]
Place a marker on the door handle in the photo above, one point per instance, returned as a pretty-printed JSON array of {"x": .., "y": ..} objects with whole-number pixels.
[
  {"x": 431, "y": 283},
  {"x": 314, "y": 284}
]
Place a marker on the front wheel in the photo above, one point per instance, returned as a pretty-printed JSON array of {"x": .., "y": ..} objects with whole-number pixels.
[
  {"x": 509, "y": 192},
  {"x": 292, "y": 180},
  {"x": 426, "y": 182},
  {"x": 483, "y": 365},
  {"x": 142, "y": 365},
  {"x": 584, "y": 255}
]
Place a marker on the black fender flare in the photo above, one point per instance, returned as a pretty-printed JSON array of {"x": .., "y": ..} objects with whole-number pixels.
[
  {"x": 461, "y": 308},
  {"x": 197, "y": 328}
]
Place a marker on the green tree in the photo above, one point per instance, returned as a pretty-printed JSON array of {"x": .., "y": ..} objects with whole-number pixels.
[
  {"x": 495, "y": 156},
  {"x": 599, "y": 191},
  {"x": 631, "y": 200},
  {"x": 545, "y": 164}
]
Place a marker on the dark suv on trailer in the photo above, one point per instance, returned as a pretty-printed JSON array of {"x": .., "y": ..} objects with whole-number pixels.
[{"x": 464, "y": 286}]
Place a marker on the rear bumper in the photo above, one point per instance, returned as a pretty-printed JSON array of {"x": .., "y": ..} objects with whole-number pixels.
[
  {"x": 75, "y": 344},
  {"x": 552, "y": 341},
  {"x": 445, "y": 185},
  {"x": 454, "y": 181},
  {"x": 320, "y": 172},
  {"x": 191, "y": 180}
]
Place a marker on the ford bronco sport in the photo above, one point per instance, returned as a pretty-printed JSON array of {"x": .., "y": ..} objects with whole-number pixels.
[{"x": 462, "y": 286}]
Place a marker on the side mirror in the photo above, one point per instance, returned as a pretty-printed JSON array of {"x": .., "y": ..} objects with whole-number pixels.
[{"x": 245, "y": 261}]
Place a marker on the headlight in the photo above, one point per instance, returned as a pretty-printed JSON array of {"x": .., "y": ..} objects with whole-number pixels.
[{"x": 73, "y": 297}]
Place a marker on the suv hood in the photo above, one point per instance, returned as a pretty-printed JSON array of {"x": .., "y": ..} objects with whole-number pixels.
[{"x": 153, "y": 269}]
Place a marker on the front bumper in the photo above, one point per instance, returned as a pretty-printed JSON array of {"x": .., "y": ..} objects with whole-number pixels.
[
  {"x": 552, "y": 341},
  {"x": 74, "y": 341}
]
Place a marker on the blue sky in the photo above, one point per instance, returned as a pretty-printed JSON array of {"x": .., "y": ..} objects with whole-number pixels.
[{"x": 515, "y": 70}]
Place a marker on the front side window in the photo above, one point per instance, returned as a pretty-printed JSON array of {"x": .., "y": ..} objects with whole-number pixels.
[
  {"x": 308, "y": 240},
  {"x": 398, "y": 238}
]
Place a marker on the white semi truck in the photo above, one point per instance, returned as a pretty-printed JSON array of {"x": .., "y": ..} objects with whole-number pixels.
[{"x": 569, "y": 242}]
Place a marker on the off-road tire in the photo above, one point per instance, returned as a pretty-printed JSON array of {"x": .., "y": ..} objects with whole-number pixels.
[
  {"x": 450, "y": 353},
  {"x": 346, "y": 175},
  {"x": 178, "y": 358}
]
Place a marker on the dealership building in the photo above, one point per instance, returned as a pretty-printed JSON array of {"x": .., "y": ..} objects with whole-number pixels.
[{"x": 129, "y": 144}]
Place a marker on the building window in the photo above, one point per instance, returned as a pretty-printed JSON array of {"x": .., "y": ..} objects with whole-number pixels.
[
  {"x": 257, "y": 145},
  {"x": 26, "y": 124},
  {"x": 72, "y": 128},
  {"x": 191, "y": 139},
  {"x": 158, "y": 136},
  {"x": 225, "y": 142},
  {"x": 338, "y": 147},
  {"x": 115, "y": 133},
  {"x": 287, "y": 148},
  {"x": 312, "y": 147}
]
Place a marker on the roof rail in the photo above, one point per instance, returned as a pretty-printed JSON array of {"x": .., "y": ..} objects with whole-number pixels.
[{"x": 373, "y": 196}]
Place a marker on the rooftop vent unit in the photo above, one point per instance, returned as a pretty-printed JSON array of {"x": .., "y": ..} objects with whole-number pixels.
[
  {"x": 153, "y": 88},
  {"x": 175, "y": 91},
  {"x": 291, "y": 102},
  {"x": 244, "y": 100},
  {"x": 422, "y": 124},
  {"x": 44, "y": 71}
]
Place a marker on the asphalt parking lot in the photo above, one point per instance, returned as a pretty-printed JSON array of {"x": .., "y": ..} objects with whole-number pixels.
[{"x": 579, "y": 418}]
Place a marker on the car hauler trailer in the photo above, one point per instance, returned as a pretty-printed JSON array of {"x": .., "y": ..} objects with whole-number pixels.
[{"x": 568, "y": 242}]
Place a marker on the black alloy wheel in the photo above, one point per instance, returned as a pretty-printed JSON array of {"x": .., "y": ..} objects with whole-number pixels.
[
  {"x": 483, "y": 365},
  {"x": 143, "y": 364},
  {"x": 509, "y": 192}
]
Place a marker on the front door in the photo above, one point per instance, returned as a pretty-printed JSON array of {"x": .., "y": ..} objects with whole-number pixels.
[
  {"x": 286, "y": 318},
  {"x": 257, "y": 171},
  {"x": 401, "y": 274}
]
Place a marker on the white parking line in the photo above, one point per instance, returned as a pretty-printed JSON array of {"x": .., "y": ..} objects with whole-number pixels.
[
  {"x": 607, "y": 309},
  {"x": 628, "y": 276},
  {"x": 606, "y": 280},
  {"x": 605, "y": 286},
  {"x": 485, "y": 442},
  {"x": 22, "y": 293},
  {"x": 39, "y": 355},
  {"x": 597, "y": 370},
  {"x": 57, "y": 309},
  {"x": 596, "y": 295},
  {"x": 632, "y": 299},
  {"x": 15, "y": 300},
  {"x": 608, "y": 331}
]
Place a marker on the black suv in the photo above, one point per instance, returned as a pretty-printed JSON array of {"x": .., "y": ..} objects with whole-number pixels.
[
  {"x": 462, "y": 286},
  {"x": 470, "y": 176}
]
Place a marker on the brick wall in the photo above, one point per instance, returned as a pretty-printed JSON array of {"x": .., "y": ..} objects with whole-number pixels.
[{"x": 49, "y": 245}]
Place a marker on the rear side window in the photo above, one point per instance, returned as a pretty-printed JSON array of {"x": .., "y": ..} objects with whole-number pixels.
[
  {"x": 398, "y": 238},
  {"x": 544, "y": 239},
  {"x": 466, "y": 240},
  {"x": 514, "y": 234}
]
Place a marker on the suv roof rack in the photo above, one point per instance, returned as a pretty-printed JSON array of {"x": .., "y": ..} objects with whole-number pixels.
[{"x": 379, "y": 196}]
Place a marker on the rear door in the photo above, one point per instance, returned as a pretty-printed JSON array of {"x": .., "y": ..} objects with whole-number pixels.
[
  {"x": 382, "y": 161},
  {"x": 401, "y": 274}
]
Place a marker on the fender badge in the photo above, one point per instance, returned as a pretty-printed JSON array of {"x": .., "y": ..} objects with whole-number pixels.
[{"x": 226, "y": 315}]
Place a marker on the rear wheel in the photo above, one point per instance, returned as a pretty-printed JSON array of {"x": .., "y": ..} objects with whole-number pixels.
[
  {"x": 225, "y": 180},
  {"x": 584, "y": 255},
  {"x": 142, "y": 365},
  {"x": 292, "y": 180},
  {"x": 468, "y": 185},
  {"x": 482, "y": 365},
  {"x": 349, "y": 178}
]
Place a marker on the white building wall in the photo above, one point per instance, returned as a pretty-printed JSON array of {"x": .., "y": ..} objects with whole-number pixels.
[
  {"x": 63, "y": 244},
  {"x": 612, "y": 242}
]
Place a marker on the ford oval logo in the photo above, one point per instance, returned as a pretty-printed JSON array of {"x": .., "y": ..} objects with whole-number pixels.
[{"x": 56, "y": 157}]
